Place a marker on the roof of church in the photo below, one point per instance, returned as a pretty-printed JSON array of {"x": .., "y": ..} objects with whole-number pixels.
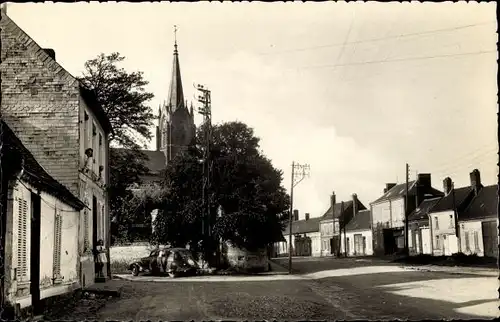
[{"x": 175, "y": 93}]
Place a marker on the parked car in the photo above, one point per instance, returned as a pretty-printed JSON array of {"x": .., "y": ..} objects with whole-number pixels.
[{"x": 173, "y": 261}]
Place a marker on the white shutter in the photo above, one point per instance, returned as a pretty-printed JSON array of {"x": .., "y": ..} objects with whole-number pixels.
[
  {"x": 85, "y": 230},
  {"x": 22, "y": 241},
  {"x": 57, "y": 247}
]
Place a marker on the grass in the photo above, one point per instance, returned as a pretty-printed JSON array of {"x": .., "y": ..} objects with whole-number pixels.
[{"x": 120, "y": 266}]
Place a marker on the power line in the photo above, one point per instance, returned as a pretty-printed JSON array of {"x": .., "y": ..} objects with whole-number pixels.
[
  {"x": 377, "y": 39},
  {"x": 398, "y": 60}
]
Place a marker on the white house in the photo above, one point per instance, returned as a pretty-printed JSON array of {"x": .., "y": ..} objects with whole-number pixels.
[
  {"x": 306, "y": 240},
  {"x": 419, "y": 230},
  {"x": 478, "y": 223},
  {"x": 41, "y": 241},
  {"x": 358, "y": 236}
]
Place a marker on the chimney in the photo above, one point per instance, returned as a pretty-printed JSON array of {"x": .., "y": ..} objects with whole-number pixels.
[
  {"x": 295, "y": 215},
  {"x": 333, "y": 200},
  {"x": 389, "y": 186},
  {"x": 158, "y": 138},
  {"x": 50, "y": 52},
  {"x": 354, "y": 204},
  {"x": 475, "y": 181},
  {"x": 424, "y": 179},
  {"x": 307, "y": 216},
  {"x": 447, "y": 185}
]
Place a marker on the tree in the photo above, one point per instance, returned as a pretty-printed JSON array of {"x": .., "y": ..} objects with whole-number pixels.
[
  {"x": 123, "y": 97},
  {"x": 245, "y": 186}
]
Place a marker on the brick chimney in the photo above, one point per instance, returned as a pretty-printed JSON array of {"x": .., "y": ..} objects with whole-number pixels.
[
  {"x": 424, "y": 179},
  {"x": 475, "y": 181},
  {"x": 354, "y": 204},
  {"x": 295, "y": 215},
  {"x": 333, "y": 200},
  {"x": 307, "y": 216},
  {"x": 50, "y": 52},
  {"x": 389, "y": 186},
  {"x": 447, "y": 185}
]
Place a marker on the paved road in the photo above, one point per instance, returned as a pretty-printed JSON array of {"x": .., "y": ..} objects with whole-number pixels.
[{"x": 325, "y": 289}]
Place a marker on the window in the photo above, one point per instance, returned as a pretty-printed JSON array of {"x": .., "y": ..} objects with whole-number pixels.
[
  {"x": 22, "y": 241},
  {"x": 437, "y": 243},
  {"x": 101, "y": 154},
  {"x": 85, "y": 131},
  {"x": 451, "y": 221},
  {"x": 96, "y": 151},
  {"x": 436, "y": 223},
  {"x": 467, "y": 241},
  {"x": 57, "y": 248},
  {"x": 477, "y": 249}
]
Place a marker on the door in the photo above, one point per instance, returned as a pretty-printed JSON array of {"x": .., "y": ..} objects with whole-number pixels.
[
  {"x": 332, "y": 247},
  {"x": 358, "y": 244},
  {"x": 364, "y": 245},
  {"x": 94, "y": 231},
  {"x": 35, "y": 253},
  {"x": 490, "y": 239}
]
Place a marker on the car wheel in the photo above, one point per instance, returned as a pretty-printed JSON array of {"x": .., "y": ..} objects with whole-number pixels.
[{"x": 135, "y": 270}]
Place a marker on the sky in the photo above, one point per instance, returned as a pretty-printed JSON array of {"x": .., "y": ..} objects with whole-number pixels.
[{"x": 356, "y": 90}]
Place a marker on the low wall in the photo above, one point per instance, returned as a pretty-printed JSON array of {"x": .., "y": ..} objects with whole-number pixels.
[{"x": 244, "y": 260}]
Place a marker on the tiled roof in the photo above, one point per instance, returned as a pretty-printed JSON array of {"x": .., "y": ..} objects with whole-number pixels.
[
  {"x": 446, "y": 202},
  {"x": 483, "y": 205},
  {"x": 310, "y": 225},
  {"x": 423, "y": 209},
  {"x": 399, "y": 191},
  {"x": 361, "y": 221},
  {"x": 33, "y": 172},
  {"x": 337, "y": 209},
  {"x": 155, "y": 160}
]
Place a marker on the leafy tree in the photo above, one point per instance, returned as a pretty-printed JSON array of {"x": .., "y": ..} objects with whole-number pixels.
[
  {"x": 122, "y": 96},
  {"x": 245, "y": 187}
]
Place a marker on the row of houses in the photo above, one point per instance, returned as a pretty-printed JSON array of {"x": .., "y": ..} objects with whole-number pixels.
[
  {"x": 54, "y": 166},
  {"x": 444, "y": 222}
]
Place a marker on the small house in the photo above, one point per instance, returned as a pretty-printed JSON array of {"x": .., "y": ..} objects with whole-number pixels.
[
  {"x": 358, "y": 235},
  {"x": 305, "y": 237}
]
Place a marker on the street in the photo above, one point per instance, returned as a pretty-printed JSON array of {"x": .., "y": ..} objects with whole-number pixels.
[{"x": 342, "y": 289}]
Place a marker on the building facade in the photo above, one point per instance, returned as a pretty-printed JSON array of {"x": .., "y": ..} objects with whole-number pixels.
[
  {"x": 306, "y": 237},
  {"x": 389, "y": 212},
  {"x": 62, "y": 124},
  {"x": 332, "y": 222},
  {"x": 41, "y": 241},
  {"x": 357, "y": 238}
]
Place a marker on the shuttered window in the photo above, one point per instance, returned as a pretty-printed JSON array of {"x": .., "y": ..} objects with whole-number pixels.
[
  {"x": 22, "y": 241},
  {"x": 57, "y": 247},
  {"x": 85, "y": 230}
]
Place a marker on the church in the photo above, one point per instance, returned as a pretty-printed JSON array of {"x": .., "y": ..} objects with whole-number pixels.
[{"x": 176, "y": 129}]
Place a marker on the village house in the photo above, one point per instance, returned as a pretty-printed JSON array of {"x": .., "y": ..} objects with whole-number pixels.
[
  {"x": 442, "y": 218},
  {"x": 41, "y": 233},
  {"x": 66, "y": 130},
  {"x": 388, "y": 212},
  {"x": 419, "y": 231},
  {"x": 306, "y": 237},
  {"x": 478, "y": 223},
  {"x": 333, "y": 221},
  {"x": 358, "y": 235}
]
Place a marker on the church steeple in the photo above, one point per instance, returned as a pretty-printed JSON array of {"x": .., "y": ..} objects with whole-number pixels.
[{"x": 176, "y": 94}]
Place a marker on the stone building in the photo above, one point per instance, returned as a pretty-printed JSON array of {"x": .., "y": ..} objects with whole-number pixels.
[{"x": 63, "y": 126}]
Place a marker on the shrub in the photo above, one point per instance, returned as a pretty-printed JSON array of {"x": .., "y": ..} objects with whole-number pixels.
[{"x": 119, "y": 267}]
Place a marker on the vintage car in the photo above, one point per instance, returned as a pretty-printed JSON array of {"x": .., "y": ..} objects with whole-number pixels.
[{"x": 173, "y": 261}]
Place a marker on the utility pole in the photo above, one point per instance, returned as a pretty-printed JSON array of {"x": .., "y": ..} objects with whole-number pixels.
[
  {"x": 206, "y": 110},
  {"x": 406, "y": 210},
  {"x": 299, "y": 172},
  {"x": 2, "y": 215},
  {"x": 455, "y": 213}
]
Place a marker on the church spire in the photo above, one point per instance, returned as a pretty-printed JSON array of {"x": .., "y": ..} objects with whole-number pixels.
[{"x": 176, "y": 95}]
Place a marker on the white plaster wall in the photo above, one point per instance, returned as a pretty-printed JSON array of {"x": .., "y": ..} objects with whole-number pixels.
[
  {"x": 426, "y": 241},
  {"x": 315, "y": 243},
  {"x": 470, "y": 227},
  {"x": 398, "y": 212},
  {"x": 350, "y": 234},
  {"x": 381, "y": 213},
  {"x": 47, "y": 242}
]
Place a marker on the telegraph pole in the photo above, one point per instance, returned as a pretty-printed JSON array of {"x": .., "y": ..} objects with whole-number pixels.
[
  {"x": 206, "y": 110},
  {"x": 406, "y": 250},
  {"x": 2, "y": 215},
  {"x": 299, "y": 172}
]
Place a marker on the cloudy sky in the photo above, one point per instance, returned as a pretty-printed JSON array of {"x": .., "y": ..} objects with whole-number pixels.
[{"x": 356, "y": 90}]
